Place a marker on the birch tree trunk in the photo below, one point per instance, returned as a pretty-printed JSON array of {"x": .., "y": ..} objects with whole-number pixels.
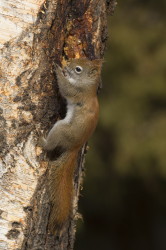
[{"x": 34, "y": 35}]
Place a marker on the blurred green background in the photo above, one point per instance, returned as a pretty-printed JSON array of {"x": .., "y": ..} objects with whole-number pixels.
[{"x": 124, "y": 195}]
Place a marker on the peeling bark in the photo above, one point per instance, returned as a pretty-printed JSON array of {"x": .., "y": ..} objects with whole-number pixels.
[{"x": 34, "y": 35}]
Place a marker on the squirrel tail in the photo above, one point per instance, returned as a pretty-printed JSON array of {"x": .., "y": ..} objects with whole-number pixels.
[{"x": 61, "y": 189}]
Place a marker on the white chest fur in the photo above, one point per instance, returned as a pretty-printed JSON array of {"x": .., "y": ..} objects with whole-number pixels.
[{"x": 70, "y": 112}]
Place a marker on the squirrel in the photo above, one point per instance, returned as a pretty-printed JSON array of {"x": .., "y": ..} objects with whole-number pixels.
[{"x": 78, "y": 83}]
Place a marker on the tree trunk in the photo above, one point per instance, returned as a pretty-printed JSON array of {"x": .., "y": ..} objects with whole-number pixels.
[{"x": 34, "y": 35}]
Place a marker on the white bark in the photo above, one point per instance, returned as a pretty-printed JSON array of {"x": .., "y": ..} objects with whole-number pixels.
[
  {"x": 19, "y": 168},
  {"x": 16, "y": 16}
]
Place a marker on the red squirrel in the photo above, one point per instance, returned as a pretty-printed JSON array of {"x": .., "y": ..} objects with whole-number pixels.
[{"x": 78, "y": 83}]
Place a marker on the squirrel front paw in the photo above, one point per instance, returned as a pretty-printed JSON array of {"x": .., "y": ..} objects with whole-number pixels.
[{"x": 42, "y": 142}]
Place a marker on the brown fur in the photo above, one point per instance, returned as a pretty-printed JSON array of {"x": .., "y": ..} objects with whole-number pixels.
[
  {"x": 61, "y": 189},
  {"x": 71, "y": 133}
]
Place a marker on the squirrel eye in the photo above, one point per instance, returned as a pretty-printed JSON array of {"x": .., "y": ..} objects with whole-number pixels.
[{"x": 78, "y": 69}]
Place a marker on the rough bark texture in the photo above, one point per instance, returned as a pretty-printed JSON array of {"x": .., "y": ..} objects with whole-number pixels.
[{"x": 34, "y": 35}]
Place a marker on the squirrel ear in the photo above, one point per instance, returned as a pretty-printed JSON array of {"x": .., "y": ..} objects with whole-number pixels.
[{"x": 93, "y": 71}]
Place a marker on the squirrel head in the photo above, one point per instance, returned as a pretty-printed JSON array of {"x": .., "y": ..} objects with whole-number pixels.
[{"x": 81, "y": 72}]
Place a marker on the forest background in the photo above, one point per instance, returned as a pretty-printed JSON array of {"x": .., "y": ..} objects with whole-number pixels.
[{"x": 123, "y": 201}]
